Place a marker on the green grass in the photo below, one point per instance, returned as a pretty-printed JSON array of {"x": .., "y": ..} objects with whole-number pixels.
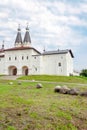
[
  {"x": 69, "y": 79},
  {"x": 23, "y": 107}
]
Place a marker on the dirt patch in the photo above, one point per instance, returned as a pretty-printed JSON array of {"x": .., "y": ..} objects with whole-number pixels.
[{"x": 21, "y": 119}]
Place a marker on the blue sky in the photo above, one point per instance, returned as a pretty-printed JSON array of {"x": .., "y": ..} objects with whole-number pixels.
[{"x": 54, "y": 24}]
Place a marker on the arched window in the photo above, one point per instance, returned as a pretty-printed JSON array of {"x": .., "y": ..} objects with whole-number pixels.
[
  {"x": 15, "y": 58},
  {"x": 59, "y": 64},
  {"x": 22, "y": 57},
  {"x": 27, "y": 57},
  {"x": 9, "y": 58}
]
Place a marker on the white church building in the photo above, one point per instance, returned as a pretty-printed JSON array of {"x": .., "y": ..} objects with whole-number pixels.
[{"x": 23, "y": 59}]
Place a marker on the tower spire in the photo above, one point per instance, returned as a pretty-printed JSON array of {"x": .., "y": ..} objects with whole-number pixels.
[
  {"x": 3, "y": 45},
  {"x": 27, "y": 39},
  {"x": 18, "y": 41}
]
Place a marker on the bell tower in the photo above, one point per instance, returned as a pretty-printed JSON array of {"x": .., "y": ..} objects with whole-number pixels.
[
  {"x": 27, "y": 39},
  {"x": 18, "y": 41}
]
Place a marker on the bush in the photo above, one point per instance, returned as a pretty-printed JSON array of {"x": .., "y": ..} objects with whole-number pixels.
[{"x": 84, "y": 72}]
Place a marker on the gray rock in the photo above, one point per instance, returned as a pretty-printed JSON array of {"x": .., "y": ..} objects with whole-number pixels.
[
  {"x": 83, "y": 94},
  {"x": 57, "y": 89},
  {"x": 64, "y": 89},
  {"x": 39, "y": 85},
  {"x": 73, "y": 91}
]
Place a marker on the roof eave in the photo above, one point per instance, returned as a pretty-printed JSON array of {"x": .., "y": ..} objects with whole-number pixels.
[
  {"x": 21, "y": 48},
  {"x": 71, "y": 53}
]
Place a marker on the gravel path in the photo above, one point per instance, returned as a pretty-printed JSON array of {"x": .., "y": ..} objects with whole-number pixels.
[
  {"x": 15, "y": 77},
  {"x": 7, "y": 77}
]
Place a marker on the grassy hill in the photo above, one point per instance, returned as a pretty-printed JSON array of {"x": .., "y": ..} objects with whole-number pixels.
[
  {"x": 53, "y": 78},
  {"x": 23, "y": 107}
]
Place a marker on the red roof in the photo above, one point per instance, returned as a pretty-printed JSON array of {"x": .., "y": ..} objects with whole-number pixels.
[
  {"x": 2, "y": 55},
  {"x": 21, "y": 48}
]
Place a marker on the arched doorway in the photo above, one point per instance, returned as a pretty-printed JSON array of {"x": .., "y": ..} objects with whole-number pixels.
[
  {"x": 12, "y": 70},
  {"x": 25, "y": 70}
]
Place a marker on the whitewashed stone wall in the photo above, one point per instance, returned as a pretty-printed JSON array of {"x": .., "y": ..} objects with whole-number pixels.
[{"x": 53, "y": 64}]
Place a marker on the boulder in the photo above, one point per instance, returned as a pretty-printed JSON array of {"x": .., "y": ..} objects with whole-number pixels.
[
  {"x": 57, "y": 89},
  {"x": 73, "y": 91},
  {"x": 39, "y": 85},
  {"x": 64, "y": 89},
  {"x": 83, "y": 94}
]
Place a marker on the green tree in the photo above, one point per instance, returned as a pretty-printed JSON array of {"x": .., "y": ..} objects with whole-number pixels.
[{"x": 84, "y": 72}]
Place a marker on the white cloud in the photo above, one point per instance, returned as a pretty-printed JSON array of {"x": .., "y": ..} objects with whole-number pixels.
[
  {"x": 42, "y": 18},
  {"x": 51, "y": 22},
  {"x": 3, "y": 15}
]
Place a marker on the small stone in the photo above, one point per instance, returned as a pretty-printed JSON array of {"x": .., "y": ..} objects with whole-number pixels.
[
  {"x": 19, "y": 83},
  {"x": 39, "y": 85},
  {"x": 33, "y": 80},
  {"x": 11, "y": 83}
]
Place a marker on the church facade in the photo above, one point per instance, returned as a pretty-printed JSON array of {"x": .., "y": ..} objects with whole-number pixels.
[{"x": 23, "y": 59}]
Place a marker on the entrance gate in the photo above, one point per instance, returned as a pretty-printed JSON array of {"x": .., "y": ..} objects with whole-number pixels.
[
  {"x": 12, "y": 70},
  {"x": 25, "y": 70}
]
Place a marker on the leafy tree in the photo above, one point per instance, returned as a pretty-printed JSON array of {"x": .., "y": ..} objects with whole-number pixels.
[{"x": 84, "y": 72}]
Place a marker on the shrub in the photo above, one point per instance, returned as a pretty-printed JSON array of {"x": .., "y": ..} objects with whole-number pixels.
[{"x": 84, "y": 72}]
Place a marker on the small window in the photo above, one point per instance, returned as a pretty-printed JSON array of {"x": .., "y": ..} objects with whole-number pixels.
[
  {"x": 59, "y": 64},
  {"x": 9, "y": 58},
  {"x": 36, "y": 69},
  {"x": 27, "y": 57},
  {"x": 22, "y": 57},
  {"x": 15, "y": 58}
]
